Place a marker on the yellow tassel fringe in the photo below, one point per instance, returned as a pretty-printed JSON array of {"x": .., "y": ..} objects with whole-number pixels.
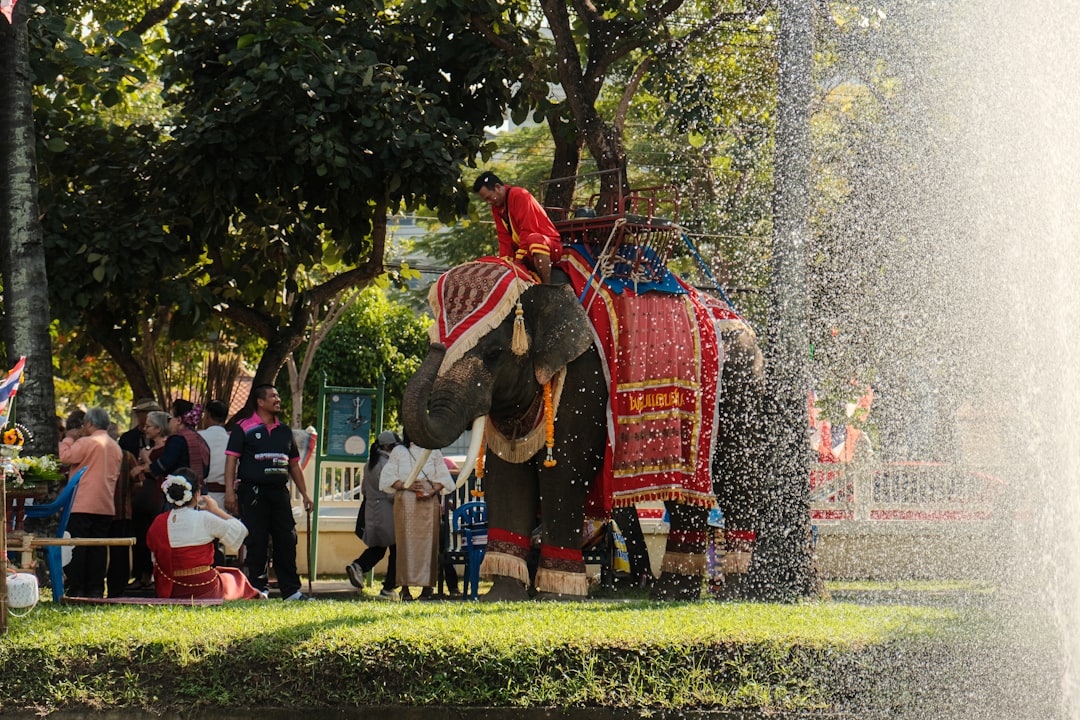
[{"x": 519, "y": 343}]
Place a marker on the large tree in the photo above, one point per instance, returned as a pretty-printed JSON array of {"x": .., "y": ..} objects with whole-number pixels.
[
  {"x": 26, "y": 301},
  {"x": 591, "y": 45},
  {"x": 285, "y": 134}
]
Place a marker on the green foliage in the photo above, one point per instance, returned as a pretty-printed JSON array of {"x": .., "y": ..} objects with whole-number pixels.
[
  {"x": 103, "y": 229},
  {"x": 375, "y": 337},
  {"x": 311, "y": 118},
  {"x": 85, "y": 71},
  {"x": 284, "y": 133},
  {"x": 704, "y": 122},
  {"x": 864, "y": 151}
]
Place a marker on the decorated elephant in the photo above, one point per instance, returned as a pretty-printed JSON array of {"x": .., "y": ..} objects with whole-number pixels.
[{"x": 551, "y": 395}]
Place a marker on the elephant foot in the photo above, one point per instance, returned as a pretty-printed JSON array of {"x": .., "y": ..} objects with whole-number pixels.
[
  {"x": 506, "y": 589},
  {"x": 674, "y": 586}
]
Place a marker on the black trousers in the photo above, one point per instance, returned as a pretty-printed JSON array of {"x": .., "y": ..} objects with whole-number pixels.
[
  {"x": 447, "y": 571},
  {"x": 86, "y": 571},
  {"x": 267, "y": 513},
  {"x": 371, "y": 557},
  {"x": 119, "y": 558}
]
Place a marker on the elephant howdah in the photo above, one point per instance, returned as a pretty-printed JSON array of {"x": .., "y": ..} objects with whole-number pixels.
[{"x": 499, "y": 339}]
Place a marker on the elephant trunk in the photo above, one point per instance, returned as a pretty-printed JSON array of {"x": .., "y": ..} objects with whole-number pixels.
[{"x": 435, "y": 417}]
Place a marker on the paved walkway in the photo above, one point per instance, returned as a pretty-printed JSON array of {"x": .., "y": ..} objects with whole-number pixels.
[{"x": 338, "y": 588}]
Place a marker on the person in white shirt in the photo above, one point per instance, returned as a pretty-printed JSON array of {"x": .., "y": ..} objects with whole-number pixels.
[
  {"x": 416, "y": 515},
  {"x": 217, "y": 438}
]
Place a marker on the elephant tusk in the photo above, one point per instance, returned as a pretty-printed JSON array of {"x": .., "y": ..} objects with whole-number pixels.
[
  {"x": 416, "y": 468},
  {"x": 475, "y": 438}
]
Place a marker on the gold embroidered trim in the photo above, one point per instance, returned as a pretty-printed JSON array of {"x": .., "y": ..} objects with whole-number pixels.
[
  {"x": 561, "y": 582},
  {"x": 519, "y": 450},
  {"x": 683, "y": 563}
]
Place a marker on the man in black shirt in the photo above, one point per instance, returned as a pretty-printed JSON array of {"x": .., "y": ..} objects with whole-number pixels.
[{"x": 262, "y": 454}]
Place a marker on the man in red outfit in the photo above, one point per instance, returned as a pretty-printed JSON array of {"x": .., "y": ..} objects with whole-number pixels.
[{"x": 526, "y": 234}]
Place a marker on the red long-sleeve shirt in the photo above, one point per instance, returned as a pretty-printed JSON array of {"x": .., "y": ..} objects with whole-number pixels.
[{"x": 524, "y": 228}]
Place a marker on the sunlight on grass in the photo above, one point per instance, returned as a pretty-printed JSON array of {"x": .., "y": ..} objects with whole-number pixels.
[{"x": 626, "y": 624}]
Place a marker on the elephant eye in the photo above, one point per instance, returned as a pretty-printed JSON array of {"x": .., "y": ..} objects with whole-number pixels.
[{"x": 490, "y": 354}]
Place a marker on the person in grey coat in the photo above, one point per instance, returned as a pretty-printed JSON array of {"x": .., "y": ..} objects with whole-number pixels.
[{"x": 377, "y": 526}]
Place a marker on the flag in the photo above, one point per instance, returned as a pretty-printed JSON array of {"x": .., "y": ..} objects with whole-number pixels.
[
  {"x": 7, "y": 7},
  {"x": 8, "y": 388}
]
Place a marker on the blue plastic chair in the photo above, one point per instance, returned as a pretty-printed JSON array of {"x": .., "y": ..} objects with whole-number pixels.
[
  {"x": 470, "y": 522},
  {"x": 62, "y": 505}
]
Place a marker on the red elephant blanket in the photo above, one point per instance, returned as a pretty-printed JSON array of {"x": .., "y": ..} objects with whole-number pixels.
[
  {"x": 663, "y": 358},
  {"x": 470, "y": 300}
]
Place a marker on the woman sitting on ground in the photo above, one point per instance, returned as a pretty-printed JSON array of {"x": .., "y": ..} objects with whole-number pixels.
[{"x": 182, "y": 543}]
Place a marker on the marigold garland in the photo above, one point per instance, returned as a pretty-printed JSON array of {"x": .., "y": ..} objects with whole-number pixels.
[
  {"x": 16, "y": 435},
  {"x": 549, "y": 426},
  {"x": 477, "y": 492}
]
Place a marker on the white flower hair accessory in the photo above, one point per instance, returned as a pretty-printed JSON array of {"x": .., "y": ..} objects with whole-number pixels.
[{"x": 182, "y": 495}]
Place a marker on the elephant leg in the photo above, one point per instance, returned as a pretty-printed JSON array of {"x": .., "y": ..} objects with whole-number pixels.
[
  {"x": 741, "y": 450},
  {"x": 561, "y": 570},
  {"x": 684, "y": 557},
  {"x": 738, "y": 551},
  {"x": 579, "y": 439},
  {"x": 510, "y": 491}
]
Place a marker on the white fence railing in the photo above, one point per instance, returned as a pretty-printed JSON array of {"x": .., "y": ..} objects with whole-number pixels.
[
  {"x": 838, "y": 491},
  {"x": 341, "y": 482},
  {"x": 901, "y": 491}
]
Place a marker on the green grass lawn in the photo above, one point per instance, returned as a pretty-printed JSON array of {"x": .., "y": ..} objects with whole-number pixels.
[{"x": 625, "y": 654}]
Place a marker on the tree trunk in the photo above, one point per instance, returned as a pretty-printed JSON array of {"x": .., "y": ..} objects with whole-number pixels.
[
  {"x": 282, "y": 342},
  {"x": 26, "y": 290},
  {"x": 782, "y": 568},
  {"x": 134, "y": 371},
  {"x": 564, "y": 164}
]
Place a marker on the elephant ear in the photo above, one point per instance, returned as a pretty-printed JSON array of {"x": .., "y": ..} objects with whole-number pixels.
[{"x": 559, "y": 328}]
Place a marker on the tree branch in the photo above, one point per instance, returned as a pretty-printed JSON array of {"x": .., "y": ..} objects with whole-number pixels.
[
  {"x": 619, "y": 121},
  {"x": 491, "y": 36},
  {"x": 156, "y": 14}
]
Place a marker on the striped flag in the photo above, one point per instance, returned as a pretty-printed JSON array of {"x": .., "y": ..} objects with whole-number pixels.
[{"x": 9, "y": 387}]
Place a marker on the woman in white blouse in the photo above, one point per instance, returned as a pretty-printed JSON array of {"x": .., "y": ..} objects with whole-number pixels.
[
  {"x": 182, "y": 543},
  {"x": 416, "y": 514}
]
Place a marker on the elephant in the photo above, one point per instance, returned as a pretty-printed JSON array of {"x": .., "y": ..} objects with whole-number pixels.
[{"x": 490, "y": 382}]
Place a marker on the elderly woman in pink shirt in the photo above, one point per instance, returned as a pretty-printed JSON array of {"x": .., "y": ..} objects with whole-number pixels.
[{"x": 92, "y": 510}]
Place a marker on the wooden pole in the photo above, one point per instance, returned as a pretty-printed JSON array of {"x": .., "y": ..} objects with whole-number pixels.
[
  {"x": 82, "y": 542},
  {"x": 3, "y": 558}
]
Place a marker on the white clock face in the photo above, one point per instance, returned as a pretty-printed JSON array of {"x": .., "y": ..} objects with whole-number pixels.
[{"x": 355, "y": 445}]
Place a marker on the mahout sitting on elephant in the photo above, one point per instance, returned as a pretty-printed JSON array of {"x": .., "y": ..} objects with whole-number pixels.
[{"x": 525, "y": 367}]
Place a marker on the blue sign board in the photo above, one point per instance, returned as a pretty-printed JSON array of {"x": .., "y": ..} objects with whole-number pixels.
[{"x": 348, "y": 423}]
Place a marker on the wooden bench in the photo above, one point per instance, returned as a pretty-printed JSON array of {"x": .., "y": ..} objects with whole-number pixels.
[{"x": 29, "y": 541}]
